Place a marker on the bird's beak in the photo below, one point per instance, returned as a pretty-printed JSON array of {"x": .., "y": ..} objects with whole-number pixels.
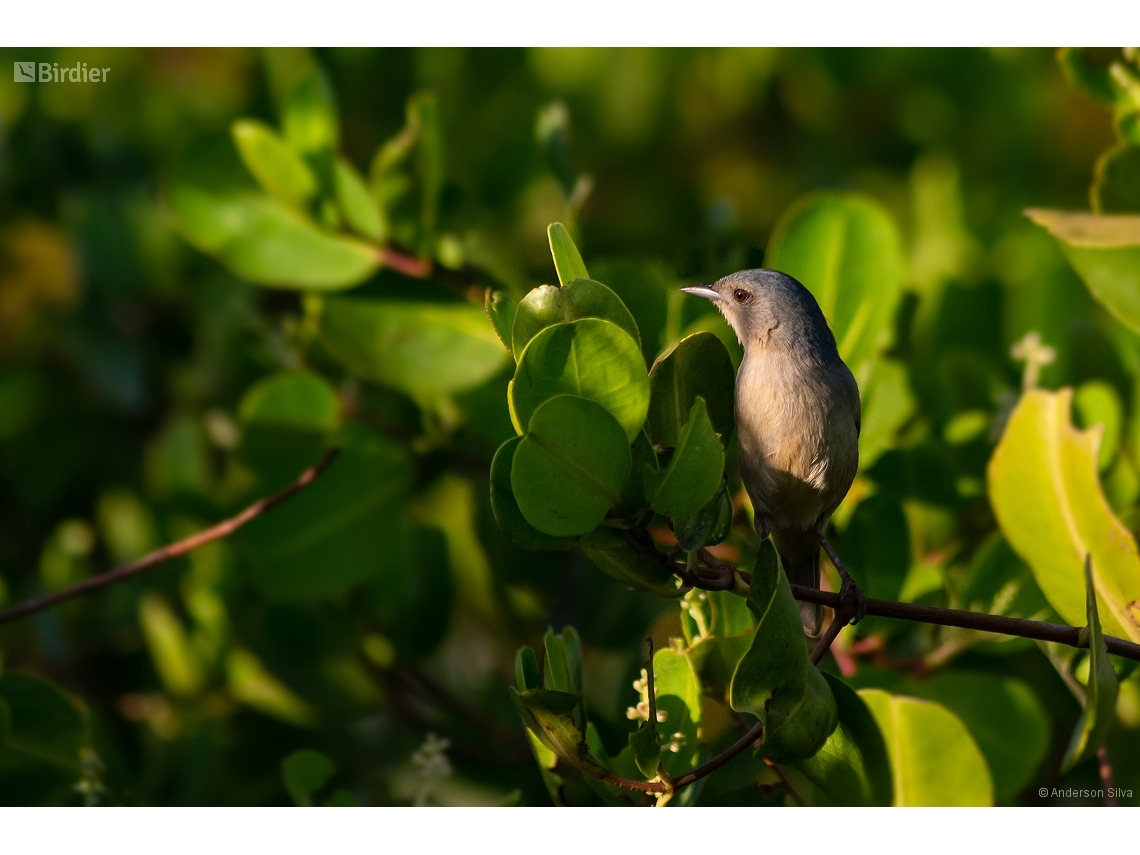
[{"x": 702, "y": 291}]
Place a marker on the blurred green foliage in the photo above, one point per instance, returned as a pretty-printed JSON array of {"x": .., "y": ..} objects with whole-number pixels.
[{"x": 221, "y": 263}]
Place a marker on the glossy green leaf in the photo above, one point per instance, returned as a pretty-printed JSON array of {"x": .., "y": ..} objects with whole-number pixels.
[
  {"x": 219, "y": 210},
  {"x": 570, "y": 466},
  {"x": 1005, "y": 718},
  {"x": 1104, "y": 249},
  {"x": 423, "y": 349},
  {"x": 506, "y": 509},
  {"x": 291, "y": 399},
  {"x": 1116, "y": 181},
  {"x": 845, "y": 249},
  {"x": 774, "y": 681},
  {"x": 547, "y": 305},
  {"x": 567, "y": 261},
  {"x": 679, "y": 697},
  {"x": 305, "y": 772},
  {"x": 357, "y": 206},
  {"x": 501, "y": 309},
  {"x": 1100, "y": 692},
  {"x": 708, "y": 526},
  {"x": 337, "y": 532},
  {"x": 852, "y": 768},
  {"x": 589, "y": 358},
  {"x": 614, "y": 556},
  {"x": 695, "y": 472},
  {"x": 934, "y": 760},
  {"x": 698, "y": 364},
  {"x": 1045, "y": 493},
  {"x": 276, "y": 166},
  {"x": 646, "y": 745}
]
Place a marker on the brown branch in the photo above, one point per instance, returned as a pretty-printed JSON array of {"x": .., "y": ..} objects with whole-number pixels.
[
  {"x": 718, "y": 576},
  {"x": 173, "y": 550}
]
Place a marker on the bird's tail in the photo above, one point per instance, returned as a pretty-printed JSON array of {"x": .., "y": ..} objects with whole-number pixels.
[{"x": 799, "y": 553}]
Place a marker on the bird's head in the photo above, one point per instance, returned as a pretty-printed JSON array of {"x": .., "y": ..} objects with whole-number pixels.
[{"x": 768, "y": 308}]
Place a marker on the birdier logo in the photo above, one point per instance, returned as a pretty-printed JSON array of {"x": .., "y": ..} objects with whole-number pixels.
[{"x": 50, "y": 72}]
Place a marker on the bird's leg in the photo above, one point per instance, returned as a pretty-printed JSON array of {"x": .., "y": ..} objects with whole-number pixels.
[{"x": 849, "y": 588}]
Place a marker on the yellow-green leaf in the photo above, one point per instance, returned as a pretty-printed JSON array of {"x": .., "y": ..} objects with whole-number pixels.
[{"x": 1045, "y": 493}]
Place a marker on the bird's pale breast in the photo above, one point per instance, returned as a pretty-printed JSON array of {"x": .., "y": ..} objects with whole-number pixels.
[{"x": 798, "y": 438}]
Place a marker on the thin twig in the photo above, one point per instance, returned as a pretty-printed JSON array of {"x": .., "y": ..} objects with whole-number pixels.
[
  {"x": 842, "y": 616},
  {"x": 718, "y": 579},
  {"x": 173, "y": 550}
]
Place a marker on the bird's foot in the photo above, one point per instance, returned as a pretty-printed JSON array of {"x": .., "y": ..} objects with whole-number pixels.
[{"x": 851, "y": 596}]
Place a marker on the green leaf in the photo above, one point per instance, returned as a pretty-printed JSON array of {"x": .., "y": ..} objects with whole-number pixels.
[
  {"x": 708, "y": 526},
  {"x": 1104, "y": 249},
  {"x": 501, "y": 310},
  {"x": 845, "y": 249},
  {"x": 424, "y": 349},
  {"x": 567, "y": 261},
  {"x": 275, "y": 165},
  {"x": 506, "y": 509},
  {"x": 876, "y": 549},
  {"x": 548, "y": 715},
  {"x": 694, "y": 474},
  {"x": 40, "y": 722},
  {"x": 646, "y": 745},
  {"x": 1100, "y": 693},
  {"x": 1097, "y": 403},
  {"x": 679, "y": 698},
  {"x": 338, "y": 531},
  {"x": 1116, "y": 181},
  {"x": 696, "y": 365},
  {"x": 291, "y": 399},
  {"x": 219, "y": 210},
  {"x": 999, "y": 582},
  {"x": 934, "y": 760},
  {"x": 617, "y": 559},
  {"x": 777, "y": 658},
  {"x": 310, "y": 121},
  {"x": 852, "y": 769},
  {"x": 1091, "y": 78},
  {"x": 43, "y": 733},
  {"x": 774, "y": 680},
  {"x": 357, "y": 206},
  {"x": 1005, "y": 718},
  {"x": 526, "y": 669},
  {"x": 547, "y": 305},
  {"x": 1045, "y": 494},
  {"x": 887, "y": 404},
  {"x": 570, "y": 466},
  {"x": 305, "y": 772},
  {"x": 413, "y": 606},
  {"x": 174, "y": 657},
  {"x": 429, "y": 162},
  {"x": 589, "y": 358}
]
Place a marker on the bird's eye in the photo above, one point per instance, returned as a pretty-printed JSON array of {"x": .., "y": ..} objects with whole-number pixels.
[{"x": 740, "y": 295}]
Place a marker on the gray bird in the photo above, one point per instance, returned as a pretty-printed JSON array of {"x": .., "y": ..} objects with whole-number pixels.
[{"x": 797, "y": 417}]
